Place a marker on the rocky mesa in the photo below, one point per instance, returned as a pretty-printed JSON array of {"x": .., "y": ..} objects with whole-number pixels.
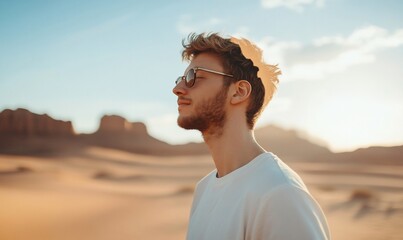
[
  {"x": 27, "y": 133},
  {"x": 22, "y": 122}
]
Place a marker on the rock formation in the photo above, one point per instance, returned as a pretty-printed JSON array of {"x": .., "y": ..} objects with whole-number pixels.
[
  {"x": 22, "y": 122},
  {"x": 113, "y": 124}
]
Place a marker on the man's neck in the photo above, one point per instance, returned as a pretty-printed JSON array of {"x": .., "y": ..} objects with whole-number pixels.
[{"x": 234, "y": 148}]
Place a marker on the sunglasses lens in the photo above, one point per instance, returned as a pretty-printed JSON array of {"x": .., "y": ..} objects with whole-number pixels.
[
  {"x": 178, "y": 80},
  {"x": 190, "y": 78}
]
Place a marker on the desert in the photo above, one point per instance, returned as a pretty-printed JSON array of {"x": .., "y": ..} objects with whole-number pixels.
[{"x": 121, "y": 183}]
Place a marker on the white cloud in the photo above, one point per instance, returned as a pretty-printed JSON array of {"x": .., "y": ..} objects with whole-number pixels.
[
  {"x": 241, "y": 32},
  {"x": 275, "y": 51},
  {"x": 186, "y": 25},
  {"x": 330, "y": 54},
  {"x": 319, "y": 70},
  {"x": 368, "y": 38},
  {"x": 296, "y": 5}
]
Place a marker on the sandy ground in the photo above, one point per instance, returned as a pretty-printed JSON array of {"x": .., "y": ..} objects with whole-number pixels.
[{"x": 107, "y": 194}]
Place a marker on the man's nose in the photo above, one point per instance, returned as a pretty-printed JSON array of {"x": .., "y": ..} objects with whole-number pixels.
[{"x": 180, "y": 89}]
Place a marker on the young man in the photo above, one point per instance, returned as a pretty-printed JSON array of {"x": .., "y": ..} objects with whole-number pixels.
[{"x": 252, "y": 194}]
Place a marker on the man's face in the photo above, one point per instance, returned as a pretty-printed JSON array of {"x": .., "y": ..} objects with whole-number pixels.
[{"x": 202, "y": 107}]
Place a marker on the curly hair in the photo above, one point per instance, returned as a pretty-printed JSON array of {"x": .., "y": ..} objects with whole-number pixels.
[{"x": 233, "y": 53}]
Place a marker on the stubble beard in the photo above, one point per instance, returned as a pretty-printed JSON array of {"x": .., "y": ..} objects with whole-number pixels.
[{"x": 209, "y": 117}]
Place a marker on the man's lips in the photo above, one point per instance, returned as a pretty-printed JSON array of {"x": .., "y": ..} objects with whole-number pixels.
[{"x": 183, "y": 102}]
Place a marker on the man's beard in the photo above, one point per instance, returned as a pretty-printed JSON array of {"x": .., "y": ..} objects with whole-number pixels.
[{"x": 209, "y": 117}]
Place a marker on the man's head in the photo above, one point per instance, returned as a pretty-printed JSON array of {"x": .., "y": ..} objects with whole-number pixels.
[{"x": 240, "y": 60}]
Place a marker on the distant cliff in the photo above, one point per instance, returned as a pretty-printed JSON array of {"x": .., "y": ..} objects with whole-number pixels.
[
  {"x": 22, "y": 122},
  {"x": 118, "y": 133},
  {"x": 24, "y": 132},
  {"x": 113, "y": 124},
  {"x": 290, "y": 144}
]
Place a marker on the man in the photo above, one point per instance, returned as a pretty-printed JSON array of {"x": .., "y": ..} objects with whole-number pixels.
[{"x": 252, "y": 194}]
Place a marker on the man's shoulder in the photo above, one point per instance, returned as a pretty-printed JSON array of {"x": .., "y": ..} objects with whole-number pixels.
[
  {"x": 272, "y": 173},
  {"x": 202, "y": 183}
]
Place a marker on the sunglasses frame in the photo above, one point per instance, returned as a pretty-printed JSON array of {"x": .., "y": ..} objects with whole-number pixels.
[{"x": 190, "y": 83}]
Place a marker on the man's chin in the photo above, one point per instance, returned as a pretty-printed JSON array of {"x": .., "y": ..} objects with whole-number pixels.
[
  {"x": 189, "y": 123},
  {"x": 184, "y": 124}
]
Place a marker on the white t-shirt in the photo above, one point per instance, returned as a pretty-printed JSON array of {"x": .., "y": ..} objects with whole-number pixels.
[{"x": 264, "y": 199}]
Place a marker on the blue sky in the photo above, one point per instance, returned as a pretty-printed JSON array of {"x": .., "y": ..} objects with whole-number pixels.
[{"x": 77, "y": 60}]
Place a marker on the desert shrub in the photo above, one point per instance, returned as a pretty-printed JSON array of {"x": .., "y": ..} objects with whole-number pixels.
[
  {"x": 23, "y": 169},
  {"x": 101, "y": 174},
  {"x": 186, "y": 190},
  {"x": 362, "y": 194}
]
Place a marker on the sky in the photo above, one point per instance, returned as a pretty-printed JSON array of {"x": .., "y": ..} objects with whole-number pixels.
[{"x": 75, "y": 60}]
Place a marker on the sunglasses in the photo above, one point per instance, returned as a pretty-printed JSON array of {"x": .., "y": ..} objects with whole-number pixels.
[{"x": 190, "y": 76}]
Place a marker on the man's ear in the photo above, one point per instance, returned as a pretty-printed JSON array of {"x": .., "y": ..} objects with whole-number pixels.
[{"x": 240, "y": 91}]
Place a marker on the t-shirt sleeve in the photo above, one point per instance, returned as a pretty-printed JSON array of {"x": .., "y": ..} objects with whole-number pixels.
[
  {"x": 199, "y": 190},
  {"x": 289, "y": 213}
]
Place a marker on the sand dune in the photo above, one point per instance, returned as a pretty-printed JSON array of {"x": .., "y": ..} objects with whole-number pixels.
[
  {"x": 67, "y": 197},
  {"x": 102, "y": 193}
]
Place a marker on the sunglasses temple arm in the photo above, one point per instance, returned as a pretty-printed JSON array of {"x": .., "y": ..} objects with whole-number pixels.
[{"x": 216, "y": 72}]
